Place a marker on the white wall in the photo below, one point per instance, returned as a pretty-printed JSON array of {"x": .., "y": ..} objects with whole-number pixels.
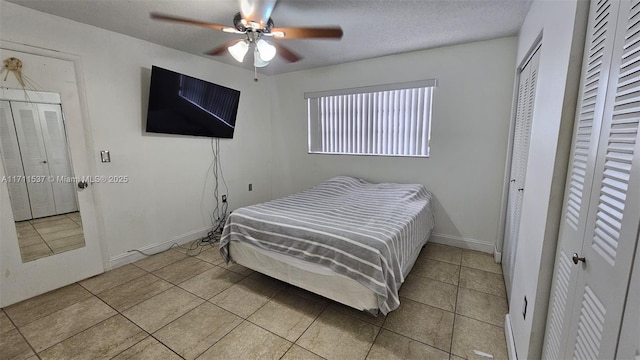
[
  {"x": 562, "y": 25},
  {"x": 471, "y": 114},
  {"x": 168, "y": 197}
]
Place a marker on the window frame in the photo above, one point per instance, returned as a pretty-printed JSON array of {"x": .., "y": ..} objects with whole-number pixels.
[{"x": 314, "y": 121}]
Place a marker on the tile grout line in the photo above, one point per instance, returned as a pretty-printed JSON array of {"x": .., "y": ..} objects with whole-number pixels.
[
  {"x": 187, "y": 256},
  {"x": 42, "y": 317},
  {"x": 21, "y": 334},
  {"x": 132, "y": 306},
  {"x": 163, "y": 344},
  {"x": 307, "y": 328},
  {"x": 420, "y": 341},
  {"x": 269, "y": 331},
  {"x": 212, "y": 345},
  {"x": 190, "y": 277},
  {"x": 129, "y": 307},
  {"x": 204, "y": 300},
  {"x": 136, "y": 324},
  {"x": 162, "y": 267},
  {"x": 412, "y": 339},
  {"x": 285, "y": 353},
  {"x": 311, "y": 323},
  {"x": 375, "y": 338},
  {"x": 45, "y": 241},
  {"x": 455, "y": 310},
  {"x": 457, "y": 287},
  {"x": 258, "y": 309},
  {"x": 80, "y": 332},
  {"x": 100, "y": 322},
  {"x": 113, "y": 287},
  {"x": 40, "y": 235},
  {"x": 207, "y": 299},
  {"x": 380, "y": 330},
  {"x": 143, "y": 330},
  {"x": 482, "y": 321}
]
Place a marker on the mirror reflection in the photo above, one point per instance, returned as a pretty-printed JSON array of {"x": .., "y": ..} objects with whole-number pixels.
[{"x": 39, "y": 176}]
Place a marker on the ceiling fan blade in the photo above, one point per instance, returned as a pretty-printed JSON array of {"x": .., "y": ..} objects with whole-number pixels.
[
  {"x": 158, "y": 16},
  {"x": 219, "y": 50},
  {"x": 258, "y": 11},
  {"x": 303, "y": 33},
  {"x": 286, "y": 53}
]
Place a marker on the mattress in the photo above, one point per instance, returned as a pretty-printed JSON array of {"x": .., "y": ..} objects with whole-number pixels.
[{"x": 370, "y": 233}]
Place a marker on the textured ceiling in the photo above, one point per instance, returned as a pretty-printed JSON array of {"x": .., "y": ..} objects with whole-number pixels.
[{"x": 372, "y": 28}]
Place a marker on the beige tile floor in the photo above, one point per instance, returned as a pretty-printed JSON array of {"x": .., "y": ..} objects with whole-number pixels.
[
  {"x": 172, "y": 306},
  {"x": 43, "y": 237}
]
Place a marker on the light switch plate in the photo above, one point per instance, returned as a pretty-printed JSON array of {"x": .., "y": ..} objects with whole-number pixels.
[{"x": 105, "y": 156}]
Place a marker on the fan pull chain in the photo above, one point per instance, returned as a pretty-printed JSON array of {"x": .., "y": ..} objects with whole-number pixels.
[{"x": 255, "y": 74}]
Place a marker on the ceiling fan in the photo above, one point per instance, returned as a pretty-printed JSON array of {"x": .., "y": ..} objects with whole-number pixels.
[{"x": 255, "y": 24}]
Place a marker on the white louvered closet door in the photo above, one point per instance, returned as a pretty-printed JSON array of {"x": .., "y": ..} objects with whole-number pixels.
[
  {"x": 55, "y": 142},
  {"x": 614, "y": 208},
  {"x": 594, "y": 79},
  {"x": 34, "y": 158},
  {"x": 10, "y": 150},
  {"x": 602, "y": 210},
  {"x": 519, "y": 159}
]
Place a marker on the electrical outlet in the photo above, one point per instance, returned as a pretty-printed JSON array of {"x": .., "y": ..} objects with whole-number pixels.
[
  {"x": 524, "y": 309},
  {"x": 250, "y": 187},
  {"x": 224, "y": 198}
]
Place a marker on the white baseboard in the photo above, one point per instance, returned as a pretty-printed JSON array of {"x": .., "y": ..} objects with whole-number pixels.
[
  {"x": 465, "y": 243},
  {"x": 508, "y": 334},
  {"x": 131, "y": 256},
  {"x": 497, "y": 255}
]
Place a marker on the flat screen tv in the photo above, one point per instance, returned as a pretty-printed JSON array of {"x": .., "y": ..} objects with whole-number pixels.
[{"x": 181, "y": 104}]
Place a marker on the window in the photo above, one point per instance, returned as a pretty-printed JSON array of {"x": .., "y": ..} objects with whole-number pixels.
[{"x": 391, "y": 120}]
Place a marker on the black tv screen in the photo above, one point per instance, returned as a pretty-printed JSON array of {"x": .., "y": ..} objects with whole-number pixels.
[{"x": 181, "y": 104}]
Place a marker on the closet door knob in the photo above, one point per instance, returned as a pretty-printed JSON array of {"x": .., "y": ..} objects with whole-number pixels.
[
  {"x": 577, "y": 259},
  {"x": 44, "y": 162}
]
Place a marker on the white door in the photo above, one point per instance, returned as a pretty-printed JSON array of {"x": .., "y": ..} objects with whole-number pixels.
[
  {"x": 594, "y": 79},
  {"x": 519, "y": 159},
  {"x": 55, "y": 142},
  {"x": 21, "y": 280},
  {"x": 614, "y": 208},
  {"x": 14, "y": 171},
  {"x": 34, "y": 158},
  {"x": 602, "y": 213}
]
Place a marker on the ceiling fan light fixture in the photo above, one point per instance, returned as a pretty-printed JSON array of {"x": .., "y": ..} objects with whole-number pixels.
[
  {"x": 266, "y": 51},
  {"x": 257, "y": 60},
  {"x": 239, "y": 50}
]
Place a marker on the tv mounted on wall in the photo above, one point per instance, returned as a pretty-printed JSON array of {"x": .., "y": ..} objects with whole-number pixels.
[{"x": 181, "y": 104}]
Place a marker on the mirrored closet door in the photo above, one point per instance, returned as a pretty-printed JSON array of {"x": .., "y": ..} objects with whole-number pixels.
[{"x": 39, "y": 176}]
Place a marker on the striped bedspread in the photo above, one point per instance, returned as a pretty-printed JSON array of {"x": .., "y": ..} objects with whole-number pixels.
[{"x": 367, "y": 232}]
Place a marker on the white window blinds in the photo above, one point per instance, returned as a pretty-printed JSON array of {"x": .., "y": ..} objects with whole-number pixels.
[{"x": 393, "y": 120}]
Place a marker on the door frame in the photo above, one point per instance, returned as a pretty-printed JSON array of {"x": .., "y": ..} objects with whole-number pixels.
[
  {"x": 501, "y": 244},
  {"x": 18, "y": 280}
]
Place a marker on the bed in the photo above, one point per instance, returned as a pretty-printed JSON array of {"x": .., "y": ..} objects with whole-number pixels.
[{"x": 346, "y": 239}]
